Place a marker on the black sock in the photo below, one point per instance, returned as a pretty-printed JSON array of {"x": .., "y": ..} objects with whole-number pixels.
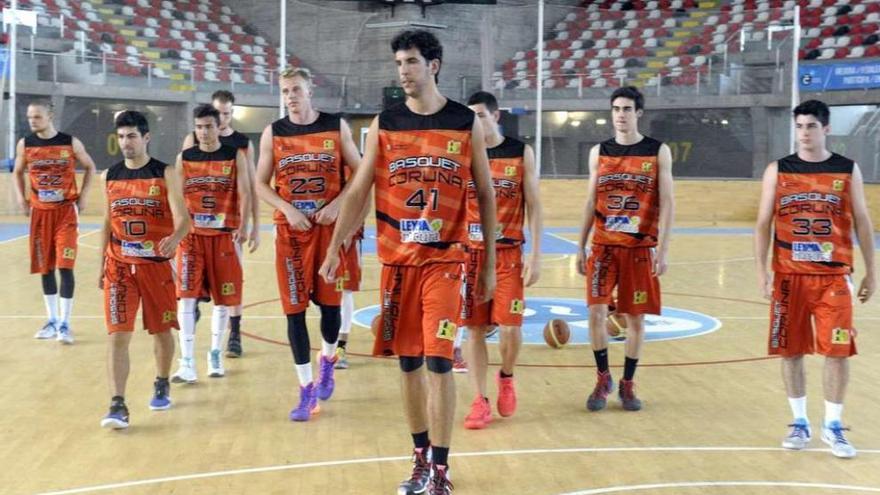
[
  {"x": 505, "y": 375},
  {"x": 331, "y": 320},
  {"x": 629, "y": 368},
  {"x": 601, "y": 360},
  {"x": 298, "y": 337},
  {"x": 439, "y": 455},
  {"x": 234, "y": 326},
  {"x": 420, "y": 440},
  {"x": 117, "y": 400},
  {"x": 341, "y": 343},
  {"x": 161, "y": 379}
]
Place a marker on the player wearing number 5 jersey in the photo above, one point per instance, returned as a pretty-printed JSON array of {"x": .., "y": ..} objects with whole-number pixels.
[
  {"x": 217, "y": 189},
  {"x": 810, "y": 202},
  {"x": 305, "y": 152},
  {"x": 49, "y": 158},
  {"x": 420, "y": 155},
  {"x": 629, "y": 212}
]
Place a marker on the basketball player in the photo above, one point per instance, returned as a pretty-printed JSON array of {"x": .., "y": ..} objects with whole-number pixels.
[
  {"x": 421, "y": 155},
  {"x": 306, "y": 152},
  {"x": 629, "y": 212},
  {"x": 811, "y": 201},
  {"x": 224, "y": 102},
  {"x": 49, "y": 158},
  {"x": 517, "y": 201},
  {"x": 144, "y": 220},
  {"x": 218, "y": 199}
]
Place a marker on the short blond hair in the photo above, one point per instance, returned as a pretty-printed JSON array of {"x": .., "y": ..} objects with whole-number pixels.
[{"x": 291, "y": 72}]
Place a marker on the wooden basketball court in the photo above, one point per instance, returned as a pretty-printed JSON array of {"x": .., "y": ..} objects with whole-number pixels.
[{"x": 714, "y": 407}]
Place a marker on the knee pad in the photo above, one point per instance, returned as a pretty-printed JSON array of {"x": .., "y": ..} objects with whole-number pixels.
[
  {"x": 67, "y": 282},
  {"x": 411, "y": 363},
  {"x": 439, "y": 364}
]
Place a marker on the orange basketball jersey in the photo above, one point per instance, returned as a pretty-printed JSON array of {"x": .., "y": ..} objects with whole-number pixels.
[
  {"x": 140, "y": 215},
  {"x": 422, "y": 171},
  {"x": 627, "y": 197},
  {"x": 308, "y": 163},
  {"x": 813, "y": 216},
  {"x": 51, "y": 166},
  {"x": 210, "y": 188},
  {"x": 506, "y": 168}
]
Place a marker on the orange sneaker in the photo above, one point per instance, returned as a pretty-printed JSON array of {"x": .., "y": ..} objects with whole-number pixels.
[
  {"x": 506, "y": 396},
  {"x": 480, "y": 415}
]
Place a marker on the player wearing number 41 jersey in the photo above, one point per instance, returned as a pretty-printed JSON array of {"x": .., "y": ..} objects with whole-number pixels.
[
  {"x": 810, "y": 203},
  {"x": 629, "y": 211},
  {"x": 49, "y": 158},
  {"x": 305, "y": 152}
]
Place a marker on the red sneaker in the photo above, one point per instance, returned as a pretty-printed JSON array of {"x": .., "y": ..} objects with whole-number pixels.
[
  {"x": 506, "y": 396},
  {"x": 459, "y": 365},
  {"x": 480, "y": 415}
]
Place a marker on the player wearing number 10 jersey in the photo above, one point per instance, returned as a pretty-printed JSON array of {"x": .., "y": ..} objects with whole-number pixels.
[
  {"x": 812, "y": 200},
  {"x": 629, "y": 210}
]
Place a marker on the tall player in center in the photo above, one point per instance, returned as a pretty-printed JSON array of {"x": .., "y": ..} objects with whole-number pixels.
[
  {"x": 306, "y": 152},
  {"x": 421, "y": 155}
]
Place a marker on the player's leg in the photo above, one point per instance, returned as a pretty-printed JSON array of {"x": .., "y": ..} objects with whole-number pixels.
[
  {"x": 40, "y": 245},
  {"x": 602, "y": 270},
  {"x": 234, "y": 348},
  {"x": 65, "y": 240},
  {"x": 346, "y": 314},
  {"x": 121, "y": 300},
  {"x": 157, "y": 286},
  {"x": 480, "y": 414},
  {"x": 328, "y": 296},
  {"x": 507, "y": 311},
  {"x": 224, "y": 276},
  {"x": 190, "y": 280}
]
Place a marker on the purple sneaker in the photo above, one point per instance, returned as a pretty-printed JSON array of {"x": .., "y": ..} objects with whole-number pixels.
[
  {"x": 326, "y": 383},
  {"x": 308, "y": 404}
]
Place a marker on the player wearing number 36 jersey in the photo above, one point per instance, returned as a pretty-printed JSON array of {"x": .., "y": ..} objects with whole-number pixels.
[{"x": 811, "y": 201}]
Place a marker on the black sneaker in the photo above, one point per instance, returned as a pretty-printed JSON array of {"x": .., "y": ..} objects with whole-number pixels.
[
  {"x": 161, "y": 397},
  {"x": 421, "y": 474},
  {"x": 117, "y": 418},
  {"x": 440, "y": 483},
  {"x": 233, "y": 346}
]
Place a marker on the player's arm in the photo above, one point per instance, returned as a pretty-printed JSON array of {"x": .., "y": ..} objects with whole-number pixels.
[
  {"x": 88, "y": 165},
  {"x": 486, "y": 201},
  {"x": 179, "y": 213},
  {"x": 865, "y": 233},
  {"x": 763, "y": 228},
  {"x": 589, "y": 210},
  {"x": 351, "y": 158},
  {"x": 188, "y": 142},
  {"x": 667, "y": 208},
  {"x": 18, "y": 178},
  {"x": 534, "y": 216},
  {"x": 244, "y": 187},
  {"x": 105, "y": 229},
  {"x": 353, "y": 203},
  {"x": 295, "y": 219}
]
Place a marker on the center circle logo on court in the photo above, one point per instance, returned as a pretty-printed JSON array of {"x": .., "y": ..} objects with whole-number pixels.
[{"x": 673, "y": 323}]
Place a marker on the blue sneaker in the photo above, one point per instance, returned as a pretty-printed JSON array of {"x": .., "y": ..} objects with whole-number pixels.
[
  {"x": 117, "y": 418},
  {"x": 308, "y": 404},
  {"x": 161, "y": 396},
  {"x": 832, "y": 434},
  {"x": 799, "y": 437},
  {"x": 326, "y": 382},
  {"x": 48, "y": 331},
  {"x": 65, "y": 336}
]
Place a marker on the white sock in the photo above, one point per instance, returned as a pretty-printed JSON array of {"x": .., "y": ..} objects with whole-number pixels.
[
  {"x": 833, "y": 412},
  {"x": 347, "y": 312},
  {"x": 186, "y": 316},
  {"x": 219, "y": 321},
  {"x": 459, "y": 337},
  {"x": 798, "y": 407},
  {"x": 51, "y": 306},
  {"x": 66, "y": 309},
  {"x": 304, "y": 373},
  {"x": 328, "y": 350}
]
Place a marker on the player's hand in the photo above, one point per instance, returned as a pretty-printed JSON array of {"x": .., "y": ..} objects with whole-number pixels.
[
  {"x": 531, "y": 269},
  {"x": 659, "y": 267},
  {"x": 867, "y": 287},
  {"x": 253, "y": 238},
  {"x": 330, "y": 266},
  {"x": 81, "y": 204},
  {"x": 328, "y": 214},
  {"x": 296, "y": 219},
  {"x": 237, "y": 238},
  {"x": 167, "y": 246},
  {"x": 347, "y": 243},
  {"x": 765, "y": 285},
  {"x": 486, "y": 281},
  {"x": 25, "y": 207},
  {"x": 581, "y": 260}
]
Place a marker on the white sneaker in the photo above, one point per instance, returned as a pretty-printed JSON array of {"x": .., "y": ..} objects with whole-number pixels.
[
  {"x": 215, "y": 364},
  {"x": 186, "y": 373},
  {"x": 47, "y": 332},
  {"x": 799, "y": 437},
  {"x": 65, "y": 335},
  {"x": 832, "y": 434}
]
